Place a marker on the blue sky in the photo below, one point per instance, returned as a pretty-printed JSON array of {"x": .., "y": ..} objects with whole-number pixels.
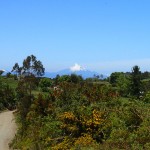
[{"x": 100, "y": 35}]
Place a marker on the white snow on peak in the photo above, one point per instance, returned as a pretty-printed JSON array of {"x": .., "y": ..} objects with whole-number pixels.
[{"x": 77, "y": 67}]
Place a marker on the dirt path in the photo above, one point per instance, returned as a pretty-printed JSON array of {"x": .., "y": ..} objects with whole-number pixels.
[{"x": 7, "y": 129}]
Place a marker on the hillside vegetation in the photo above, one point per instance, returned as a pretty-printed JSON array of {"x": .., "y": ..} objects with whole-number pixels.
[{"x": 69, "y": 112}]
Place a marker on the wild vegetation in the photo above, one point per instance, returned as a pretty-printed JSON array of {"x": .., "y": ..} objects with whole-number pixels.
[{"x": 68, "y": 112}]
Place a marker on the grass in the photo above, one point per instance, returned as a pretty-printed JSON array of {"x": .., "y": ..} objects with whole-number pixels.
[
  {"x": 14, "y": 83},
  {"x": 10, "y": 81}
]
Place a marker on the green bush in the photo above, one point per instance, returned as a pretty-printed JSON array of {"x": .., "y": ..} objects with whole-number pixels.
[{"x": 45, "y": 84}]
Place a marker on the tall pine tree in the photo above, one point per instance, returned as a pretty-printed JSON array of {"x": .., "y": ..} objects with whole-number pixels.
[{"x": 135, "y": 81}]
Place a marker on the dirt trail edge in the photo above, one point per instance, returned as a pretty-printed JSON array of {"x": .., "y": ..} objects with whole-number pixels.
[{"x": 7, "y": 129}]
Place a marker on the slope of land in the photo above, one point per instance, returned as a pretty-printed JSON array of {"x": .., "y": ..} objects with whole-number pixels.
[{"x": 7, "y": 129}]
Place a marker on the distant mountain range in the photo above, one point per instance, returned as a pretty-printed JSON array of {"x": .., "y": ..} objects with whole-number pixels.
[
  {"x": 76, "y": 69},
  {"x": 84, "y": 73}
]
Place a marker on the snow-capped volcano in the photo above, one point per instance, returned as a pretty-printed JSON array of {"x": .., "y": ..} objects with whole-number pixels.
[{"x": 77, "y": 69}]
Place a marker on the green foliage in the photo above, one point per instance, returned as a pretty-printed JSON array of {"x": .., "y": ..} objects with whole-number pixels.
[
  {"x": 45, "y": 84},
  {"x": 75, "y": 78},
  {"x": 146, "y": 98},
  {"x": 146, "y": 85},
  {"x": 122, "y": 84},
  {"x": 25, "y": 98},
  {"x": 31, "y": 66},
  {"x": 68, "y": 78},
  {"x": 56, "y": 80},
  {"x": 145, "y": 75},
  {"x": 114, "y": 77},
  {"x": 10, "y": 81},
  {"x": 7, "y": 96},
  {"x": 64, "y": 78},
  {"x": 82, "y": 115},
  {"x": 135, "y": 86},
  {"x": 17, "y": 69}
]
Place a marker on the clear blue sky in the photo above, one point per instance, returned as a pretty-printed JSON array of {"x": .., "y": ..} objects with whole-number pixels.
[{"x": 100, "y": 35}]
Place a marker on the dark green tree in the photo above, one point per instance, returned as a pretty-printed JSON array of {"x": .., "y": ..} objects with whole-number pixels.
[
  {"x": 56, "y": 79},
  {"x": 17, "y": 69},
  {"x": 135, "y": 85},
  {"x": 64, "y": 78},
  {"x": 75, "y": 78},
  {"x": 45, "y": 84},
  {"x": 31, "y": 67},
  {"x": 114, "y": 76},
  {"x": 29, "y": 73}
]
